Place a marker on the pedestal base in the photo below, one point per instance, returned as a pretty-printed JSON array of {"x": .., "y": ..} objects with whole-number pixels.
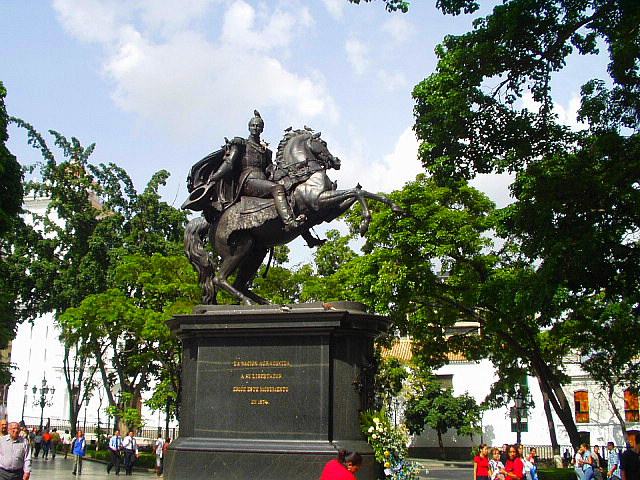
[{"x": 271, "y": 392}]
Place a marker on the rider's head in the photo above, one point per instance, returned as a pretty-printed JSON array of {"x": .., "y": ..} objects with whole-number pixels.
[{"x": 256, "y": 124}]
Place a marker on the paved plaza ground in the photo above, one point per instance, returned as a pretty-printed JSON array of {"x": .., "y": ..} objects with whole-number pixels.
[{"x": 60, "y": 469}]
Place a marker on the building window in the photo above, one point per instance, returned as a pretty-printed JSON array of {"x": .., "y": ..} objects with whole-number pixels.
[
  {"x": 581, "y": 400},
  {"x": 631, "y": 406}
]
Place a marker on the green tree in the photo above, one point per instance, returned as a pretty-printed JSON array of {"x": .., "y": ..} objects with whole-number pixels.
[
  {"x": 93, "y": 220},
  {"x": 124, "y": 329},
  {"x": 10, "y": 227},
  {"x": 571, "y": 233},
  {"x": 434, "y": 406}
]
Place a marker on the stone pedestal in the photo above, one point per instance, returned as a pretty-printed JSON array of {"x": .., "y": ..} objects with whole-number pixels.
[{"x": 272, "y": 392}]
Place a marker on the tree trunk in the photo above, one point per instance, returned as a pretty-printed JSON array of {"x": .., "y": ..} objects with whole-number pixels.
[
  {"x": 616, "y": 412},
  {"x": 443, "y": 454},
  {"x": 552, "y": 427},
  {"x": 552, "y": 388}
]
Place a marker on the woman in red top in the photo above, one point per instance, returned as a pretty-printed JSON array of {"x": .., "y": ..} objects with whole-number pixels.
[
  {"x": 514, "y": 468},
  {"x": 344, "y": 468},
  {"x": 481, "y": 464}
]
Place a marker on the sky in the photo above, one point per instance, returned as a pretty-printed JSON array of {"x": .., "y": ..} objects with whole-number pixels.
[{"x": 158, "y": 84}]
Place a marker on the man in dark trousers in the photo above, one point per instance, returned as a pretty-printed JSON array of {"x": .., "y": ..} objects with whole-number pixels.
[
  {"x": 130, "y": 452},
  {"x": 115, "y": 445},
  {"x": 15, "y": 455}
]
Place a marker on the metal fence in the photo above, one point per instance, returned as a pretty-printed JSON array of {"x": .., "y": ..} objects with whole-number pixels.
[{"x": 91, "y": 428}]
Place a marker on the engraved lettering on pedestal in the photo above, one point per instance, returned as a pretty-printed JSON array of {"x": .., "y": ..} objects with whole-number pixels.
[{"x": 258, "y": 377}]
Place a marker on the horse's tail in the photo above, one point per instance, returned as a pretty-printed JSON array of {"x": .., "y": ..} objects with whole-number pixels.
[{"x": 194, "y": 235}]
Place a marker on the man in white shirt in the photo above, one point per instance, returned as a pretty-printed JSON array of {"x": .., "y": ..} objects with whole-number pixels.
[
  {"x": 15, "y": 455},
  {"x": 159, "y": 449},
  {"x": 115, "y": 445},
  {"x": 130, "y": 452}
]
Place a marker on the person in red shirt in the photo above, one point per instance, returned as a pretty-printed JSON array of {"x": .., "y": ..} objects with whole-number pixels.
[
  {"x": 481, "y": 464},
  {"x": 344, "y": 468},
  {"x": 46, "y": 444},
  {"x": 514, "y": 468}
]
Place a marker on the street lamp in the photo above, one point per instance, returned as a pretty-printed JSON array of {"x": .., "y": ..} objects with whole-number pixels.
[
  {"x": 520, "y": 399},
  {"x": 44, "y": 400},
  {"x": 24, "y": 400},
  {"x": 86, "y": 407}
]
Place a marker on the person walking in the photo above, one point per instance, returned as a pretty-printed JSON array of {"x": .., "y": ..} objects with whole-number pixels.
[
  {"x": 46, "y": 444},
  {"x": 613, "y": 463},
  {"x": 15, "y": 455},
  {"x": 630, "y": 459},
  {"x": 55, "y": 441},
  {"x": 79, "y": 450},
  {"x": 4, "y": 427},
  {"x": 577, "y": 464},
  {"x": 159, "y": 449},
  {"x": 598, "y": 464},
  {"x": 37, "y": 442},
  {"x": 587, "y": 462},
  {"x": 66, "y": 442},
  {"x": 115, "y": 446},
  {"x": 130, "y": 453}
]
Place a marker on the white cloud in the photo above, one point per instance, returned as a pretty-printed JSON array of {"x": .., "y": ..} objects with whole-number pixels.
[
  {"x": 384, "y": 174},
  {"x": 357, "y": 54},
  {"x": 335, "y": 8},
  {"x": 567, "y": 115},
  {"x": 399, "y": 28},
  {"x": 168, "y": 71},
  {"x": 392, "y": 81}
]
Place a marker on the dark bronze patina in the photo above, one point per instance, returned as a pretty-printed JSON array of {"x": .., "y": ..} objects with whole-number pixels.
[{"x": 251, "y": 204}]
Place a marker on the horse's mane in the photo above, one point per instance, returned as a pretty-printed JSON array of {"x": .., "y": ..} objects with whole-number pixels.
[{"x": 288, "y": 136}]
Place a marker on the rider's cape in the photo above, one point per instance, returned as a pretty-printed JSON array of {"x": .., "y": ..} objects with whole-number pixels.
[{"x": 204, "y": 194}]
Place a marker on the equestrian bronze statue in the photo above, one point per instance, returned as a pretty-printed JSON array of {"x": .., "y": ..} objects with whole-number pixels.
[{"x": 251, "y": 204}]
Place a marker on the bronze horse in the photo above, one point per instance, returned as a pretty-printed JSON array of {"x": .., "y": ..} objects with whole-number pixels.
[{"x": 243, "y": 233}]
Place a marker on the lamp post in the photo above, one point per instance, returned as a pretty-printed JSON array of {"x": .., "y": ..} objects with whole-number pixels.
[
  {"x": 44, "y": 400},
  {"x": 521, "y": 400},
  {"x": 24, "y": 400},
  {"x": 86, "y": 407}
]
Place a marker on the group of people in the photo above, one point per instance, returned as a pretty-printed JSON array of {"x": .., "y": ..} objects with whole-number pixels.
[
  {"x": 506, "y": 464},
  {"x": 127, "y": 447},
  {"x": 590, "y": 464}
]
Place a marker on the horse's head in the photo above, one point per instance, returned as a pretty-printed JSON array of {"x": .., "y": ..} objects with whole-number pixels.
[{"x": 318, "y": 147}]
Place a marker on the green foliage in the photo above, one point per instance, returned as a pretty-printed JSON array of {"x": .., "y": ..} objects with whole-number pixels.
[
  {"x": 556, "y": 474},
  {"x": 390, "y": 445},
  {"x": 431, "y": 405},
  {"x": 390, "y": 377},
  {"x": 10, "y": 174},
  {"x": 390, "y": 5}
]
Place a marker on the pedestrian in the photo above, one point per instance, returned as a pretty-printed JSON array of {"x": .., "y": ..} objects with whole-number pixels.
[
  {"x": 630, "y": 459},
  {"x": 115, "y": 446},
  {"x": 566, "y": 457},
  {"x": 4, "y": 427},
  {"x": 598, "y": 464},
  {"x": 66, "y": 442},
  {"x": 613, "y": 463},
  {"x": 37, "y": 442},
  {"x": 514, "y": 468},
  {"x": 15, "y": 455},
  {"x": 495, "y": 465},
  {"x": 55, "y": 441},
  {"x": 159, "y": 449},
  {"x": 504, "y": 455},
  {"x": 587, "y": 462},
  {"x": 342, "y": 468},
  {"x": 79, "y": 450},
  {"x": 130, "y": 452},
  {"x": 577, "y": 464},
  {"x": 46, "y": 444},
  {"x": 530, "y": 468},
  {"x": 481, "y": 464}
]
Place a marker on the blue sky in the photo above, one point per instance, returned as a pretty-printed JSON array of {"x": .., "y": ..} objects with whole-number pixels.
[{"x": 158, "y": 84}]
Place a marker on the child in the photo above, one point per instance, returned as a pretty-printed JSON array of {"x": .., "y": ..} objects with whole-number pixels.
[{"x": 495, "y": 465}]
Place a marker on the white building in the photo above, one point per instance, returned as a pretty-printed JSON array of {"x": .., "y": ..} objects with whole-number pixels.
[{"x": 593, "y": 413}]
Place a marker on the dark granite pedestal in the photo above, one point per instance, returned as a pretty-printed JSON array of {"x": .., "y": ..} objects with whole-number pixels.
[{"x": 272, "y": 392}]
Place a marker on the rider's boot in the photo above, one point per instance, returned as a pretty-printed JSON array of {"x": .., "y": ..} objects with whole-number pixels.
[{"x": 285, "y": 212}]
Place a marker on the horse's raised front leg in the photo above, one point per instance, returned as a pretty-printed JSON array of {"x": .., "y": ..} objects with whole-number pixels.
[{"x": 329, "y": 198}]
